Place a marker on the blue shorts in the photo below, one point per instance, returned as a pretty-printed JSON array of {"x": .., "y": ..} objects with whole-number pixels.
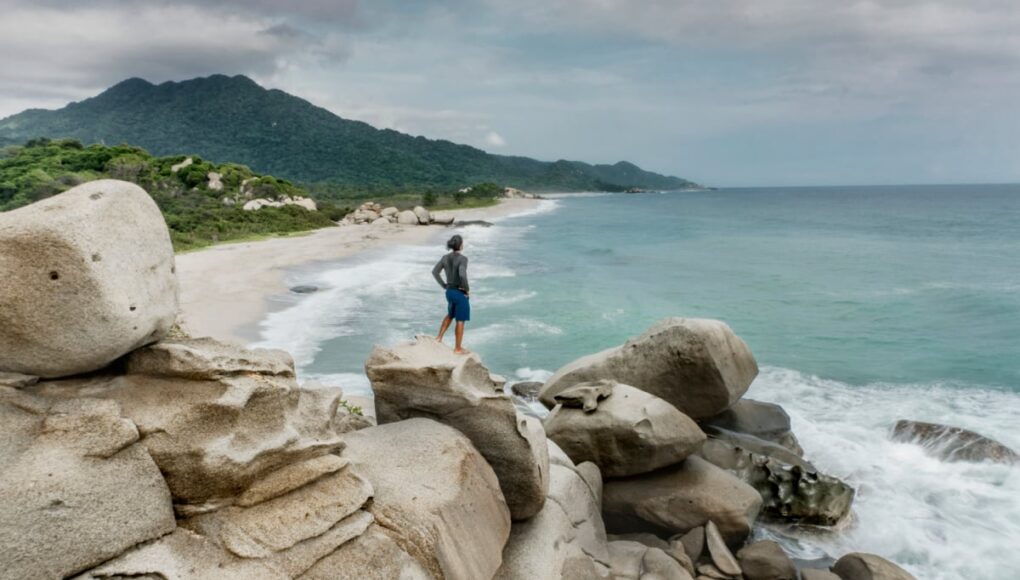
[{"x": 458, "y": 305}]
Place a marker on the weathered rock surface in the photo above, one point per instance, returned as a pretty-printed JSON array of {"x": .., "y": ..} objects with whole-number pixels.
[
  {"x": 585, "y": 396},
  {"x": 423, "y": 215},
  {"x": 791, "y": 490},
  {"x": 213, "y": 439},
  {"x": 629, "y": 433},
  {"x": 76, "y": 488},
  {"x": 207, "y": 359},
  {"x": 407, "y": 217},
  {"x": 636, "y": 561},
  {"x": 673, "y": 549},
  {"x": 721, "y": 556},
  {"x": 85, "y": 277},
  {"x": 17, "y": 380},
  {"x": 284, "y": 520},
  {"x": 435, "y": 497},
  {"x": 766, "y": 421},
  {"x": 693, "y": 542},
  {"x": 953, "y": 443},
  {"x": 697, "y": 365},
  {"x": 426, "y": 379},
  {"x": 566, "y": 537},
  {"x": 766, "y": 560},
  {"x": 679, "y": 498},
  {"x": 861, "y": 566}
]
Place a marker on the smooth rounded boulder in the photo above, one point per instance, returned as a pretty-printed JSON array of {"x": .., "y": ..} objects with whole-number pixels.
[
  {"x": 679, "y": 498},
  {"x": 697, "y": 365},
  {"x": 85, "y": 277},
  {"x": 628, "y": 433},
  {"x": 407, "y": 217},
  {"x": 766, "y": 560},
  {"x": 861, "y": 566}
]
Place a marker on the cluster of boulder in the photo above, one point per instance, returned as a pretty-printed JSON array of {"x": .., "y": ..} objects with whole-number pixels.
[
  {"x": 285, "y": 200},
  {"x": 130, "y": 454},
  {"x": 371, "y": 213},
  {"x": 512, "y": 193}
]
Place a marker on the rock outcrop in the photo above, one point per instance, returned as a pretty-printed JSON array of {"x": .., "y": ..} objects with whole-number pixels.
[
  {"x": 766, "y": 421},
  {"x": 567, "y": 537},
  {"x": 628, "y": 433},
  {"x": 425, "y": 378},
  {"x": 953, "y": 443},
  {"x": 85, "y": 277},
  {"x": 76, "y": 487},
  {"x": 860, "y": 566},
  {"x": 679, "y": 498},
  {"x": 636, "y": 561},
  {"x": 374, "y": 213},
  {"x": 699, "y": 366},
  {"x": 791, "y": 489},
  {"x": 215, "y": 418},
  {"x": 435, "y": 498}
]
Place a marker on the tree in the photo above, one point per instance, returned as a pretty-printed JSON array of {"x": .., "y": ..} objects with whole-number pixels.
[
  {"x": 429, "y": 199},
  {"x": 458, "y": 197}
]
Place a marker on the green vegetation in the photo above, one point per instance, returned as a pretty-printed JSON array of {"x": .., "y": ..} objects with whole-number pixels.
[
  {"x": 234, "y": 119},
  {"x": 197, "y": 215}
]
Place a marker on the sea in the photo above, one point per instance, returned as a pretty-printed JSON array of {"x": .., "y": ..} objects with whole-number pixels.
[{"x": 862, "y": 305}]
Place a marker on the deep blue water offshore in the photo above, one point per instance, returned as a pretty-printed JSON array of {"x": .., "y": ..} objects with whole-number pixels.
[{"x": 863, "y": 305}]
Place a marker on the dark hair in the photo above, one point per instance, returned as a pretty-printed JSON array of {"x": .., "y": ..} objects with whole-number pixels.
[{"x": 455, "y": 243}]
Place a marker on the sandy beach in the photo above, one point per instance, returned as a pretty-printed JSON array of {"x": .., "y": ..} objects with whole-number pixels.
[{"x": 225, "y": 288}]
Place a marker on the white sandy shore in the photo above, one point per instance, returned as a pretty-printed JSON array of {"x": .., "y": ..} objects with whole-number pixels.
[{"x": 226, "y": 288}]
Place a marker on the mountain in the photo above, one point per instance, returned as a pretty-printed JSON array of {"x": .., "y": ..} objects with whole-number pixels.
[{"x": 233, "y": 119}]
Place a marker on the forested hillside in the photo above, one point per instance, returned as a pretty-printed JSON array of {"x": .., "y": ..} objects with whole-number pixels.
[
  {"x": 196, "y": 212},
  {"x": 234, "y": 119}
]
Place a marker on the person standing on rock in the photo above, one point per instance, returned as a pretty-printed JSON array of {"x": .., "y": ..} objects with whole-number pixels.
[{"x": 454, "y": 265}]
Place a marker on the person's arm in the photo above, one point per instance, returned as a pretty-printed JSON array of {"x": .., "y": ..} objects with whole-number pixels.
[
  {"x": 436, "y": 271},
  {"x": 462, "y": 273}
]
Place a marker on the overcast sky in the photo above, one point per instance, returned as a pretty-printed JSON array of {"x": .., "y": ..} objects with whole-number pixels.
[{"x": 725, "y": 92}]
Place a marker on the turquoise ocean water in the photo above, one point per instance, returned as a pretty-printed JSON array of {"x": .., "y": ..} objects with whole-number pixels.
[{"x": 863, "y": 305}]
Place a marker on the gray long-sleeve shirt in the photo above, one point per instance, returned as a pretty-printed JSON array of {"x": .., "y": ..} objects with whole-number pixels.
[{"x": 454, "y": 265}]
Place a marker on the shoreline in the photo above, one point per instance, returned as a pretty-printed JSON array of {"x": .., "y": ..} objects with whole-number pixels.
[{"x": 225, "y": 290}]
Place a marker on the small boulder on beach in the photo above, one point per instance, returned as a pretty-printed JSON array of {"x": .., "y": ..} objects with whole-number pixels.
[
  {"x": 304, "y": 289},
  {"x": 699, "y": 366}
]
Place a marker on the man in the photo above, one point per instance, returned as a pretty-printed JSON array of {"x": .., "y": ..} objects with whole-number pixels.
[{"x": 454, "y": 266}]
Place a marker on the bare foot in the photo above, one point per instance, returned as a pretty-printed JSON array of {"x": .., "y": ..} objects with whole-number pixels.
[{"x": 461, "y": 351}]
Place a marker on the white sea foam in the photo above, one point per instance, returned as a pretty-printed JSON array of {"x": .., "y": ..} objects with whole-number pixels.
[
  {"x": 530, "y": 374},
  {"x": 543, "y": 206},
  {"x": 941, "y": 521},
  {"x": 508, "y": 298},
  {"x": 513, "y": 329}
]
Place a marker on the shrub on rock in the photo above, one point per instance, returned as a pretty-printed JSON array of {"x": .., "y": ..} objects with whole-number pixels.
[
  {"x": 628, "y": 433},
  {"x": 85, "y": 277},
  {"x": 697, "y": 365}
]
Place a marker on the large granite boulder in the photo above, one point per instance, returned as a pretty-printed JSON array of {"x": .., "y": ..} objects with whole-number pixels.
[
  {"x": 423, "y": 215},
  {"x": 212, "y": 439},
  {"x": 953, "y": 443},
  {"x": 76, "y": 487},
  {"x": 766, "y": 421},
  {"x": 435, "y": 498},
  {"x": 791, "y": 489},
  {"x": 627, "y": 433},
  {"x": 85, "y": 277},
  {"x": 567, "y": 536},
  {"x": 861, "y": 566},
  {"x": 425, "y": 378},
  {"x": 679, "y": 498},
  {"x": 697, "y": 365}
]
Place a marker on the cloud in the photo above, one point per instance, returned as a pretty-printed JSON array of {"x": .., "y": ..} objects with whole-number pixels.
[{"x": 493, "y": 139}]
